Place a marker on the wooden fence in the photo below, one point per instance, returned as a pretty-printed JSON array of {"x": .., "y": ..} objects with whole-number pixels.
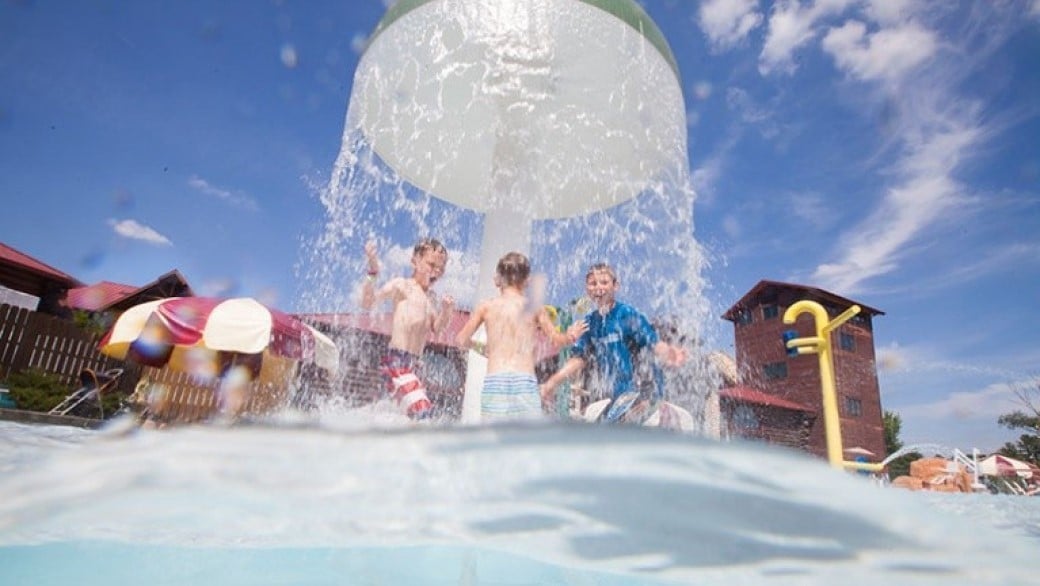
[
  {"x": 33, "y": 340},
  {"x": 29, "y": 339}
]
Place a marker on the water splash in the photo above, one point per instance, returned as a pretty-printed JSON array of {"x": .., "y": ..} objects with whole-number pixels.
[{"x": 492, "y": 105}]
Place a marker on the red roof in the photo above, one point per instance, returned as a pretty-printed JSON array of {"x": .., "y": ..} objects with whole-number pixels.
[
  {"x": 103, "y": 295},
  {"x": 764, "y": 285},
  {"x": 750, "y": 395},
  {"x": 99, "y": 295},
  {"x": 379, "y": 323},
  {"x": 11, "y": 256}
]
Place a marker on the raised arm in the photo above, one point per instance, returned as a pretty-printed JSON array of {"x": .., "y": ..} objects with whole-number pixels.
[
  {"x": 547, "y": 390},
  {"x": 465, "y": 337},
  {"x": 447, "y": 307},
  {"x": 559, "y": 338},
  {"x": 368, "y": 288}
]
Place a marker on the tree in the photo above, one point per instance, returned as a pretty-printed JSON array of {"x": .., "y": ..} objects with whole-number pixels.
[
  {"x": 893, "y": 424},
  {"x": 1027, "y": 448}
]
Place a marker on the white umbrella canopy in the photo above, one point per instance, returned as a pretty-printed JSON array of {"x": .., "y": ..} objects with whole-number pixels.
[
  {"x": 204, "y": 336},
  {"x": 999, "y": 465}
]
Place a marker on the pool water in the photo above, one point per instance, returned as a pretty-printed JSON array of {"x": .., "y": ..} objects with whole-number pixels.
[{"x": 323, "y": 502}]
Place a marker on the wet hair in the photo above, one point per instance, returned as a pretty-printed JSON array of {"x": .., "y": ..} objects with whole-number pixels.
[
  {"x": 601, "y": 267},
  {"x": 428, "y": 245},
  {"x": 513, "y": 269}
]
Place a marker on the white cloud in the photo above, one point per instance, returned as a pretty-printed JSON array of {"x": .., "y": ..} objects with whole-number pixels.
[
  {"x": 727, "y": 22},
  {"x": 791, "y": 26},
  {"x": 133, "y": 230},
  {"x": 927, "y": 190},
  {"x": 888, "y": 12},
  {"x": 813, "y": 209},
  {"x": 886, "y": 55},
  {"x": 1034, "y": 9},
  {"x": 235, "y": 199},
  {"x": 988, "y": 403}
]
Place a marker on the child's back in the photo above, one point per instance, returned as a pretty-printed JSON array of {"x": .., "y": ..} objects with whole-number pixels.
[{"x": 511, "y": 333}]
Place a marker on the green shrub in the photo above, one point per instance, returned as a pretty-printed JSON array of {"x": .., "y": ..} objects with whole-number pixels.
[
  {"x": 39, "y": 390},
  {"x": 36, "y": 390}
]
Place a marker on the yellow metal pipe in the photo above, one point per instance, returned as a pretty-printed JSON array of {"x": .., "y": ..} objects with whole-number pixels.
[
  {"x": 821, "y": 344},
  {"x": 866, "y": 466}
]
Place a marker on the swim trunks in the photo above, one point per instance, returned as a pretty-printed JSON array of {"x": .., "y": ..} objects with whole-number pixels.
[
  {"x": 510, "y": 395},
  {"x": 399, "y": 368}
]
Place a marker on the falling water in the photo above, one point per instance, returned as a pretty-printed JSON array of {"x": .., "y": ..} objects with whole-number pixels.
[{"x": 491, "y": 105}]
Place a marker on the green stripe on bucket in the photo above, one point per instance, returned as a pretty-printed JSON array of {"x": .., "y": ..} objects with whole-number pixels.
[{"x": 625, "y": 10}]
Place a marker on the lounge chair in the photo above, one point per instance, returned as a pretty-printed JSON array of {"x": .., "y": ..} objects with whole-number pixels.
[{"x": 93, "y": 387}]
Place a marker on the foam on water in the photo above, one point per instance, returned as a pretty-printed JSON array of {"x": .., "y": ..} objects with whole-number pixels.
[{"x": 562, "y": 504}]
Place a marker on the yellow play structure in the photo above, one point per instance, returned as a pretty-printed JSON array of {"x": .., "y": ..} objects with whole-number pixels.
[{"x": 821, "y": 344}]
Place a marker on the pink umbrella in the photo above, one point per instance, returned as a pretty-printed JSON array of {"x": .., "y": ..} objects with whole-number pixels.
[
  {"x": 999, "y": 465},
  {"x": 205, "y": 336}
]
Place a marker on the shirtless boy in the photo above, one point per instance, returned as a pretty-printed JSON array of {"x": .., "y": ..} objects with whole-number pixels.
[
  {"x": 416, "y": 316},
  {"x": 512, "y": 321}
]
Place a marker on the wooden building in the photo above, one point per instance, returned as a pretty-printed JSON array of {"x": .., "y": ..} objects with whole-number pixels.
[
  {"x": 34, "y": 278},
  {"x": 780, "y": 397}
]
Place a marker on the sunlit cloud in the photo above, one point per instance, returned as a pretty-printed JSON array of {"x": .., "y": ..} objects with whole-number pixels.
[
  {"x": 987, "y": 403},
  {"x": 236, "y": 199},
  {"x": 813, "y": 209},
  {"x": 706, "y": 175},
  {"x": 727, "y": 22},
  {"x": 873, "y": 247},
  {"x": 936, "y": 131},
  {"x": 136, "y": 231},
  {"x": 893, "y": 358},
  {"x": 888, "y": 12},
  {"x": 888, "y": 54},
  {"x": 987, "y": 262},
  {"x": 791, "y": 27}
]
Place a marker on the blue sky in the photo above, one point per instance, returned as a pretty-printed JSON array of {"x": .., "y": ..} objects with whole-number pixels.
[{"x": 885, "y": 151}]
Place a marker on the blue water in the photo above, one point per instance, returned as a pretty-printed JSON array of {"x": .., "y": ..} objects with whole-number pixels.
[{"x": 332, "y": 502}]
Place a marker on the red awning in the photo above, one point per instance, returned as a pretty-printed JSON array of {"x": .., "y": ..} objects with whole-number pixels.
[{"x": 750, "y": 395}]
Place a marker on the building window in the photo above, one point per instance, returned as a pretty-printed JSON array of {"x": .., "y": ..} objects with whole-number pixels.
[
  {"x": 853, "y": 407},
  {"x": 775, "y": 370},
  {"x": 770, "y": 311},
  {"x": 847, "y": 341},
  {"x": 744, "y": 418}
]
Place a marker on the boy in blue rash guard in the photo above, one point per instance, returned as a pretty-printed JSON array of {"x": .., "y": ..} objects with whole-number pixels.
[{"x": 616, "y": 332}]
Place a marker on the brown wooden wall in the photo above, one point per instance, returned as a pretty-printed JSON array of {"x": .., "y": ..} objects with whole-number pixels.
[{"x": 29, "y": 339}]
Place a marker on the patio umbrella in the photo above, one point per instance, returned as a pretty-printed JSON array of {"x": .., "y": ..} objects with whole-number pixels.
[
  {"x": 998, "y": 465},
  {"x": 207, "y": 336}
]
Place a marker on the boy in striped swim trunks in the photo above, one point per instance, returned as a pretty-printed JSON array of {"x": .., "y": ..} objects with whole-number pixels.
[
  {"x": 512, "y": 322},
  {"x": 416, "y": 316}
]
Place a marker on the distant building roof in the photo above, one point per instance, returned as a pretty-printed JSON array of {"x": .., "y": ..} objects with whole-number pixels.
[
  {"x": 750, "y": 395},
  {"x": 106, "y": 295},
  {"x": 763, "y": 288},
  {"x": 21, "y": 272},
  {"x": 100, "y": 295}
]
